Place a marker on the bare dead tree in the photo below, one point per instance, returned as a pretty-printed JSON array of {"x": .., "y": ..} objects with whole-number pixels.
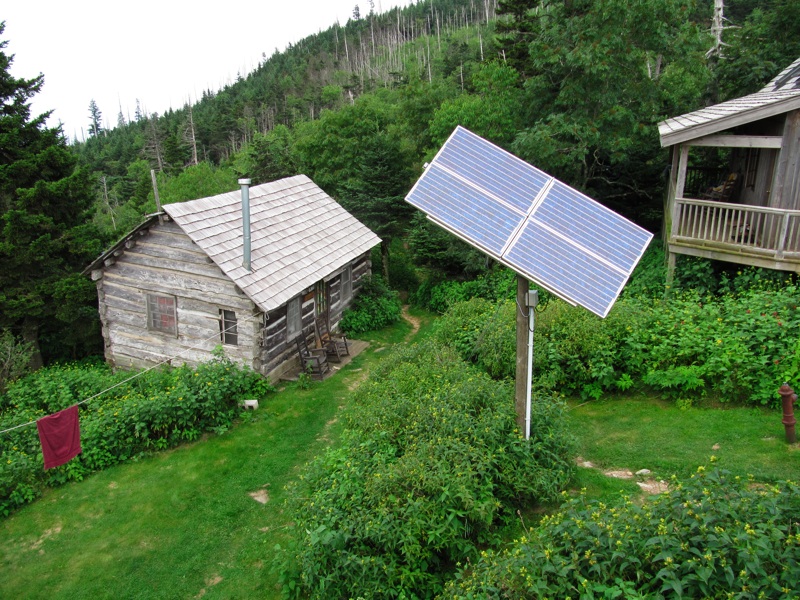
[
  {"x": 108, "y": 203},
  {"x": 189, "y": 134},
  {"x": 153, "y": 142},
  {"x": 717, "y": 27}
]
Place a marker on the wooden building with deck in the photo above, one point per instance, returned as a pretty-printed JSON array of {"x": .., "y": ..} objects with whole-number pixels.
[
  {"x": 178, "y": 285},
  {"x": 749, "y": 211}
]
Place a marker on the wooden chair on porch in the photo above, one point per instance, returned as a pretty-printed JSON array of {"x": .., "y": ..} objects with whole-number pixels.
[
  {"x": 335, "y": 344},
  {"x": 724, "y": 191},
  {"x": 314, "y": 362}
]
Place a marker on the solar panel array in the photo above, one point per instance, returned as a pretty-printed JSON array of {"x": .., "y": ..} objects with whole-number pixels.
[{"x": 522, "y": 217}]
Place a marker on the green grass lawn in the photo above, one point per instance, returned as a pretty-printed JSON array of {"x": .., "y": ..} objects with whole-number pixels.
[
  {"x": 644, "y": 433},
  {"x": 174, "y": 524}
]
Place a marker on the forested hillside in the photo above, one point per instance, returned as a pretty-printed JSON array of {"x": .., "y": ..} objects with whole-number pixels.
[{"x": 576, "y": 87}]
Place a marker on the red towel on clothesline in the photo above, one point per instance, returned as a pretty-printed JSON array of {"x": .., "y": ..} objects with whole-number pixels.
[{"x": 60, "y": 436}]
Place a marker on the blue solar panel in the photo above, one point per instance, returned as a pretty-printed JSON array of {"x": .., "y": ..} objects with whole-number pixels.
[
  {"x": 487, "y": 223},
  {"x": 522, "y": 217},
  {"x": 562, "y": 268},
  {"x": 595, "y": 227},
  {"x": 490, "y": 168}
]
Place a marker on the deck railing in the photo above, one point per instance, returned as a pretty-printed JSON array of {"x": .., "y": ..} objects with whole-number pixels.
[
  {"x": 699, "y": 180},
  {"x": 738, "y": 227}
]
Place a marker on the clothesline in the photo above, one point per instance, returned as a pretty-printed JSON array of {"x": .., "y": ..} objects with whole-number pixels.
[{"x": 140, "y": 373}]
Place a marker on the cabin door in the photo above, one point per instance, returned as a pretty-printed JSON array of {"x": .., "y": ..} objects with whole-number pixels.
[{"x": 321, "y": 299}]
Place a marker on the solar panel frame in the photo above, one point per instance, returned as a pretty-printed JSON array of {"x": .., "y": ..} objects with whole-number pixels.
[{"x": 562, "y": 237}]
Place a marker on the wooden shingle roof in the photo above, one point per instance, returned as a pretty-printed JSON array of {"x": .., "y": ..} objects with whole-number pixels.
[
  {"x": 780, "y": 95},
  {"x": 299, "y": 235}
]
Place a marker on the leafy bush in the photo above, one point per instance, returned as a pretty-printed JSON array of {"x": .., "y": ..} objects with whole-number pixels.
[
  {"x": 574, "y": 350},
  {"x": 735, "y": 347},
  {"x": 15, "y": 357},
  {"x": 743, "y": 347},
  {"x": 699, "y": 275},
  {"x": 431, "y": 463},
  {"x": 462, "y": 325},
  {"x": 374, "y": 307},
  {"x": 499, "y": 283},
  {"x": 157, "y": 410},
  {"x": 712, "y": 536},
  {"x": 577, "y": 352}
]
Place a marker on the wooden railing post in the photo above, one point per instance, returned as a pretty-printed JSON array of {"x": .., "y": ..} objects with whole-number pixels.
[
  {"x": 676, "y": 216},
  {"x": 782, "y": 239}
]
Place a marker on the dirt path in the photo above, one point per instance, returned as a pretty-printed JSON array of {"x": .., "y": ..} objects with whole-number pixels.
[
  {"x": 413, "y": 321},
  {"x": 647, "y": 484},
  {"x": 415, "y": 324}
]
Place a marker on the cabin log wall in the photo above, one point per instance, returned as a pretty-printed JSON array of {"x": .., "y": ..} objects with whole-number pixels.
[
  {"x": 279, "y": 354},
  {"x": 166, "y": 262}
]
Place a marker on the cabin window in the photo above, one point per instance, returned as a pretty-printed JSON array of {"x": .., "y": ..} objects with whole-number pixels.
[
  {"x": 347, "y": 284},
  {"x": 227, "y": 327},
  {"x": 294, "y": 321},
  {"x": 161, "y": 315}
]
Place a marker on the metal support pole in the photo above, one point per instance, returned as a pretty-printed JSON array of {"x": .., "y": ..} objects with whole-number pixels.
[
  {"x": 788, "y": 398},
  {"x": 532, "y": 301},
  {"x": 522, "y": 349}
]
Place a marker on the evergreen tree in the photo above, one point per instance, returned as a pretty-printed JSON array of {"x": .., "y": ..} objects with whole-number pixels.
[
  {"x": 270, "y": 155},
  {"x": 96, "y": 122},
  {"x": 45, "y": 238},
  {"x": 375, "y": 195}
]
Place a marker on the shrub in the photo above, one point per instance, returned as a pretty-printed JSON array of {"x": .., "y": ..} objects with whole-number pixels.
[
  {"x": 574, "y": 350},
  {"x": 577, "y": 352},
  {"x": 742, "y": 346},
  {"x": 462, "y": 325},
  {"x": 15, "y": 357},
  {"x": 499, "y": 283},
  {"x": 157, "y": 410},
  {"x": 712, "y": 536},
  {"x": 431, "y": 463},
  {"x": 496, "y": 346},
  {"x": 736, "y": 347},
  {"x": 374, "y": 307},
  {"x": 700, "y": 275}
]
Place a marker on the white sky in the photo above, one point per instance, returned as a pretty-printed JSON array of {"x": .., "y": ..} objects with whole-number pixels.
[{"x": 161, "y": 52}]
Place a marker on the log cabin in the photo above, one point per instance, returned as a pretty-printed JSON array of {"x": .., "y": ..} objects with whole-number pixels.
[
  {"x": 249, "y": 270},
  {"x": 748, "y": 211}
]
